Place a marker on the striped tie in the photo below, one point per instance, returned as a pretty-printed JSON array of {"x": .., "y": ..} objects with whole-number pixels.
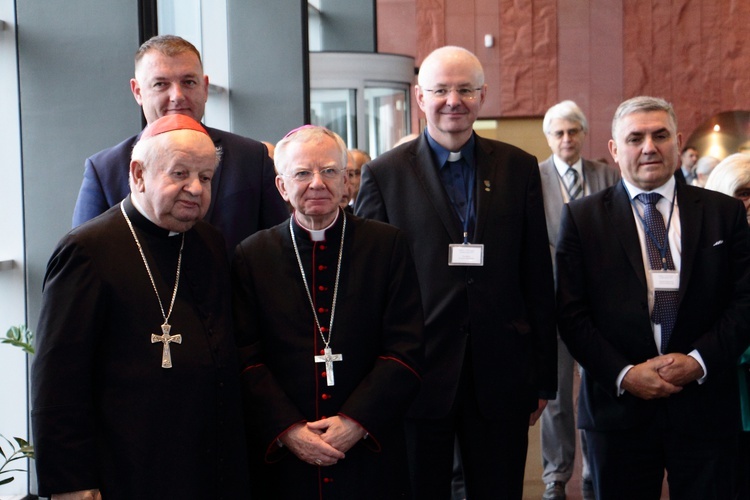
[{"x": 573, "y": 183}]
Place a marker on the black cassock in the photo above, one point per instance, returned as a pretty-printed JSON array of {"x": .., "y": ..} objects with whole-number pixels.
[
  {"x": 377, "y": 329},
  {"x": 105, "y": 413}
]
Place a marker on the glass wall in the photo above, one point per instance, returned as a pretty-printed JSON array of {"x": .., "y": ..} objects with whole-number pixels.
[{"x": 364, "y": 97}]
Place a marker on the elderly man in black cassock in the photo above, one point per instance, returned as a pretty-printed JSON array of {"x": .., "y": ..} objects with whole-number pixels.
[
  {"x": 135, "y": 392},
  {"x": 329, "y": 323}
]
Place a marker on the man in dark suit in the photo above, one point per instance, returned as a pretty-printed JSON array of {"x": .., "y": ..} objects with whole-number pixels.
[
  {"x": 473, "y": 213},
  {"x": 169, "y": 79},
  {"x": 566, "y": 176},
  {"x": 654, "y": 302}
]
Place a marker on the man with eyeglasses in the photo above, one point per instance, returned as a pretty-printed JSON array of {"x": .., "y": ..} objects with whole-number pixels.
[
  {"x": 473, "y": 213},
  {"x": 329, "y": 323},
  {"x": 565, "y": 176}
]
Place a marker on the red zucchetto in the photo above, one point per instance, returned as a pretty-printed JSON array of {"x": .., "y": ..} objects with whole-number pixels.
[{"x": 169, "y": 123}]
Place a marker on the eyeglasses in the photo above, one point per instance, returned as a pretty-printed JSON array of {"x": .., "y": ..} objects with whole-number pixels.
[
  {"x": 305, "y": 176},
  {"x": 465, "y": 93},
  {"x": 572, "y": 132}
]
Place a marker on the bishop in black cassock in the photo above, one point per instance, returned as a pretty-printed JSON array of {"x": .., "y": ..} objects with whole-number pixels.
[
  {"x": 375, "y": 337},
  {"x": 109, "y": 418}
]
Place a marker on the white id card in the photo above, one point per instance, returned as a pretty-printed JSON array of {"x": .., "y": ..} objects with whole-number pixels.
[
  {"x": 665, "y": 280},
  {"x": 466, "y": 255}
]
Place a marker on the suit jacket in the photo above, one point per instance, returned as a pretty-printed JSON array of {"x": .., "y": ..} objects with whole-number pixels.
[
  {"x": 604, "y": 316},
  {"x": 244, "y": 197},
  {"x": 597, "y": 176},
  {"x": 502, "y": 312}
]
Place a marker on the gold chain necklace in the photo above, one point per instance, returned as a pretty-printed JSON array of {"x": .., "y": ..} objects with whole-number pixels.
[{"x": 165, "y": 338}]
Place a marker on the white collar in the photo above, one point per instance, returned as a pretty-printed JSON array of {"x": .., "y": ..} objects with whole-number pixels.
[{"x": 563, "y": 167}]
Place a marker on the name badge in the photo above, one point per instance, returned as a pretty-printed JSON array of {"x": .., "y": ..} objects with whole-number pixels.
[
  {"x": 465, "y": 255},
  {"x": 665, "y": 280}
]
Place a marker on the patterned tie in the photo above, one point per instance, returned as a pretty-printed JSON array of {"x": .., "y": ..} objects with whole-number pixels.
[
  {"x": 665, "y": 301},
  {"x": 573, "y": 183}
]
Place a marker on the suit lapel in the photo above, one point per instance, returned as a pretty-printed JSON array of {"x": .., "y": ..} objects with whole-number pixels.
[
  {"x": 429, "y": 178},
  {"x": 487, "y": 183},
  {"x": 553, "y": 199},
  {"x": 618, "y": 209},
  {"x": 691, "y": 220}
]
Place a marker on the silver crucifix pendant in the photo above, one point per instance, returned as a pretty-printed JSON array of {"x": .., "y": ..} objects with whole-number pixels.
[
  {"x": 166, "y": 339},
  {"x": 328, "y": 358}
]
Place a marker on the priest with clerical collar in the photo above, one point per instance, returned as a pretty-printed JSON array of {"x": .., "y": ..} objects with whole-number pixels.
[
  {"x": 135, "y": 392},
  {"x": 329, "y": 322}
]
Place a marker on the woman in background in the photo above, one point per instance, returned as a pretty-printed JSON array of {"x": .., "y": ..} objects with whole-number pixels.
[{"x": 732, "y": 177}]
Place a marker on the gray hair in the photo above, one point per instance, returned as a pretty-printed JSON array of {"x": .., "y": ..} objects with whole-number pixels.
[
  {"x": 307, "y": 133},
  {"x": 730, "y": 174},
  {"x": 642, "y": 104},
  {"x": 565, "y": 110}
]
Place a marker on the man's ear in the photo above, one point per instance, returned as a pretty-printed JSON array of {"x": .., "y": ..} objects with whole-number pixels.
[
  {"x": 613, "y": 149},
  {"x": 135, "y": 88},
  {"x": 136, "y": 174},
  {"x": 281, "y": 187}
]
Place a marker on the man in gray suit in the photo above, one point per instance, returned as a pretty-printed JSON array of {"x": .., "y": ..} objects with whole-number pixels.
[{"x": 565, "y": 176}]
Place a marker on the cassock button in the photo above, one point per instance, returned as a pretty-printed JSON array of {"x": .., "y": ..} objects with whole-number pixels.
[
  {"x": 322, "y": 246},
  {"x": 327, "y": 479},
  {"x": 326, "y": 396},
  {"x": 322, "y": 288},
  {"x": 321, "y": 310},
  {"x": 322, "y": 352},
  {"x": 322, "y": 267},
  {"x": 323, "y": 329},
  {"x": 323, "y": 374}
]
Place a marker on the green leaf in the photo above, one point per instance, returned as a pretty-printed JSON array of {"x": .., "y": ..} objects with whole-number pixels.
[
  {"x": 21, "y": 337},
  {"x": 6, "y": 481}
]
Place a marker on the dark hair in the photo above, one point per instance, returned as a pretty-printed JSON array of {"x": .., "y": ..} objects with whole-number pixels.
[{"x": 169, "y": 45}]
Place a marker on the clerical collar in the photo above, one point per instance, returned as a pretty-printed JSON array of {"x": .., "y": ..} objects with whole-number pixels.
[
  {"x": 140, "y": 220},
  {"x": 317, "y": 234},
  {"x": 442, "y": 154}
]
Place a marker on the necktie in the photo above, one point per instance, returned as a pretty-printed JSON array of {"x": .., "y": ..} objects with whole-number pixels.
[
  {"x": 665, "y": 301},
  {"x": 573, "y": 183}
]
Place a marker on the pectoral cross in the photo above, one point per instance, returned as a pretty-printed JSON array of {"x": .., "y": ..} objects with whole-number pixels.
[
  {"x": 166, "y": 339},
  {"x": 328, "y": 358}
]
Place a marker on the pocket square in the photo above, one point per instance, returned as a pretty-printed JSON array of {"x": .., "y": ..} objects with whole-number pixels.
[{"x": 718, "y": 243}]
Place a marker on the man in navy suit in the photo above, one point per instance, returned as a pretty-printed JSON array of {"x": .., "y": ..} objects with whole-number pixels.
[
  {"x": 566, "y": 176},
  {"x": 473, "y": 213},
  {"x": 654, "y": 302},
  {"x": 169, "y": 79}
]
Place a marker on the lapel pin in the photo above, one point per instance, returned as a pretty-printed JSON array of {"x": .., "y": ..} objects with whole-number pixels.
[{"x": 487, "y": 185}]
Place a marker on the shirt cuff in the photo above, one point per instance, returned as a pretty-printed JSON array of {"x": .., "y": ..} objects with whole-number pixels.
[
  {"x": 621, "y": 376},
  {"x": 697, "y": 356}
]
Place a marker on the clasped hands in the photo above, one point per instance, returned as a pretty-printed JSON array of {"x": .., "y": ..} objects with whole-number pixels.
[
  {"x": 323, "y": 442},
  {"x": 662, "y": 376}
]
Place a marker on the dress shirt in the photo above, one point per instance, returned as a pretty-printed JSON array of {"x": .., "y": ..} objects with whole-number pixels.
[
  {"x": 562, "y": 167},
  {"x": 674, "y": 235}
]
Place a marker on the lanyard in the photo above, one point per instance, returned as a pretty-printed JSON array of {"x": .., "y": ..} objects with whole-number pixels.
[
  {"x": 662, "y": 248},
  {"x": 469, "y": 204}
]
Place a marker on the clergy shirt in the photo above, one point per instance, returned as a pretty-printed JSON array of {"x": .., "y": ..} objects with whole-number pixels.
[
  {"x": 562, "y": 167},
  {"x": 461, "y": 188},
  {"x": 674, "y": 235}
]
